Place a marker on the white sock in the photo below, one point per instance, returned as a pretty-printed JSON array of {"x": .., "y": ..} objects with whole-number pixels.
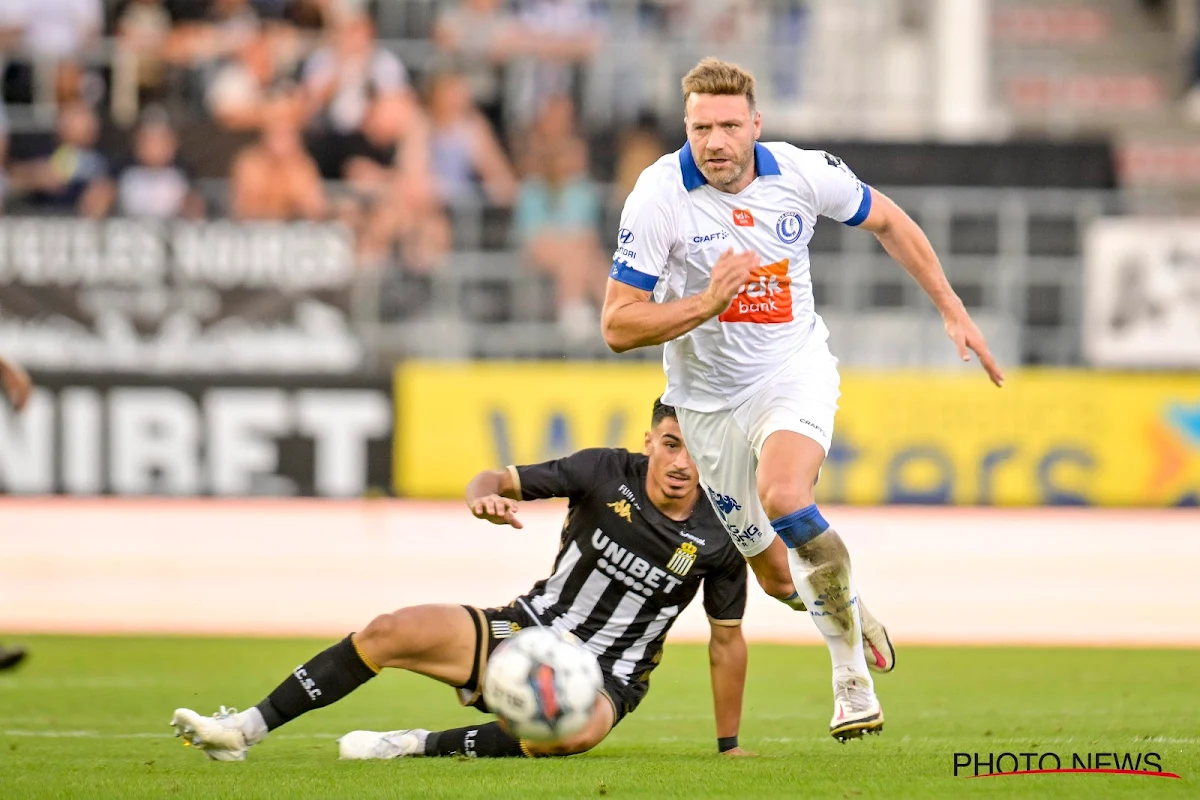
[
  {"x": 254, "y": 727},
  {"x": 842, "y": 626}
]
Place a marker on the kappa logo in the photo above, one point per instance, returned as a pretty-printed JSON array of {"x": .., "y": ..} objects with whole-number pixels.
[
  {"x": 622, "y": 509},
  {"x": 743, "y": 218},
  {"x": 685, "y": 557},
  {"x": 766, "y": 299}
]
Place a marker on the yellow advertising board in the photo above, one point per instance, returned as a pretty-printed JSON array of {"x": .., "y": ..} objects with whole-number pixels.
[
  {"x": 1049, "y": 437},
  {"x": 456, "y": 419}
]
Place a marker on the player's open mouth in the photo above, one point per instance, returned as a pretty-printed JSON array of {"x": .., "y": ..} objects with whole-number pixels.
[
  {"x": 718, "y": 162},
  {"x": 677, "y": 481}
]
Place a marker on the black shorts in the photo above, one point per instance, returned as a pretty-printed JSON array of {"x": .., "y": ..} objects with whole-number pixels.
[{"x": 494, "y": 625}]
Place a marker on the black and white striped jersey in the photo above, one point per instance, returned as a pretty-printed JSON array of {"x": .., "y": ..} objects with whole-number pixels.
[{"x": 624, "y": 570}]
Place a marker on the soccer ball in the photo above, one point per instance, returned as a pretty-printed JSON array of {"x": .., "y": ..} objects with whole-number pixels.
[{"x": 542, "y": 685}]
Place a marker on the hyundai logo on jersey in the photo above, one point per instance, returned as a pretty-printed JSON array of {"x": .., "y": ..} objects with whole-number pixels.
[{"x": 625, "y": 236}]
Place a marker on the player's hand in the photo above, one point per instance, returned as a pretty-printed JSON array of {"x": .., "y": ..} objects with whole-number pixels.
[
  {"x": 16, "y": 383},
  {"x": 729, "y": 274},
  {"x": 966, "y": 336},
  {"x": 738, "y": 752},
  {"x": 497, "y": 510}
]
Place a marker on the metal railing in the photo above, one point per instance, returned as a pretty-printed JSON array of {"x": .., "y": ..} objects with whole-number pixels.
[{"x": 1014, "y": 256}]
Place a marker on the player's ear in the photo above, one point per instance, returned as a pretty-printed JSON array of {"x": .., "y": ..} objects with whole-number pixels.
[{"x": 646, "y": 444}]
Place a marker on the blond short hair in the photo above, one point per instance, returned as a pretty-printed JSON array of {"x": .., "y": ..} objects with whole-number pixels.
[{"x": 714, "y": 76}]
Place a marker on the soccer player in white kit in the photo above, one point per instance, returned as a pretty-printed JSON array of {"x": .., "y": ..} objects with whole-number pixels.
[{"x": 712, "y": 259}]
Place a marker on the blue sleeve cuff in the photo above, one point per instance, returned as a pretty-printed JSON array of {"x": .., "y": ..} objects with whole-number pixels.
[
  {"x": 864, "y": 208},
  {"x": 626, "y": 274}
]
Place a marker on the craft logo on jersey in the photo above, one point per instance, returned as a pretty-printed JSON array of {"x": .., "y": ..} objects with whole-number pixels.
[
  {"x": 765, "y": 299},
  {"x": 789, "y": 227},
  {"x": 622, "y": 509},
  {"x": 743, "y": 218},
  {"x": 685, "y": 556}
]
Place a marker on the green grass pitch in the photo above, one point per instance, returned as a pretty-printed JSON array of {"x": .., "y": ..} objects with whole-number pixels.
[{"x": 87, "y": 718}]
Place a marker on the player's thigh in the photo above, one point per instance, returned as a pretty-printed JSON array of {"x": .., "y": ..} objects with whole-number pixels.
[
  {"x": 721, "y": 447},
  {"x": 791, "y": 429},
  {"x": 435, "y": 640}
]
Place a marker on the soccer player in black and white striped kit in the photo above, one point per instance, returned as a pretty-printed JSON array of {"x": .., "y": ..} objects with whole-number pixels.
[{"x": 639, "y": 542}]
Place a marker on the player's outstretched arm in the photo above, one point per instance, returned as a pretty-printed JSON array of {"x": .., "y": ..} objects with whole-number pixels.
[
  {"x": 630, "y": 320},
  {"x": 15, "y": 382},
  {"x": 906, "y": 242},
  {"x": 493, "y": 495},
  {"x": 727, "y": 662}
]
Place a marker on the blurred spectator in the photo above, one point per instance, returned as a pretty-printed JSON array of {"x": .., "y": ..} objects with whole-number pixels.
[
  {"x": 343, "y": 79},
  {"x": 563, "y": 33},
  {"x": 1192, "y": 100},
  {"x": 557, "y": 217},
  {"x": 3, "y": 155},
  {"x": 222, "y": 33},
  {"x": 359, "y": 95},
  {"x": 639, "y": 148},
  {"x": 142, "y": 31},
  {"x": 308, "y": 15},
  {"x": 555, "y": 124},
  {"x": 276, "y": 179},
  {"x": 155, "y": 184},
  {"x": 479, "y": 36},
  {"x": 73, "y": 175},
  {"x": 463, "y": 146},
  {"x": 54, "y": 34},
  {"x": 235, "y": 93}
]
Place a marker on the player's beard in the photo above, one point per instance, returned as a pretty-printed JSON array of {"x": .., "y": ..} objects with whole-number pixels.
[{"x": 731, "y": 173}]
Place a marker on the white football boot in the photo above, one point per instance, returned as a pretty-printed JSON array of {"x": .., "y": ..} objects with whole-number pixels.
[
  {"x": 856, "y": 710},
  {"x": 220, "y": 737},
  {"x": 877, "y": 645},
  {"x": 364, "y": 745}
]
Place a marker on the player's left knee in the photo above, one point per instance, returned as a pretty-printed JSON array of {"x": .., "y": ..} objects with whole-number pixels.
[{"x": 581, "y": 742}]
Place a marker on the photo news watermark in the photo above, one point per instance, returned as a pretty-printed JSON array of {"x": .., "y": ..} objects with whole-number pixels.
[{"x": 986, "y": 765}]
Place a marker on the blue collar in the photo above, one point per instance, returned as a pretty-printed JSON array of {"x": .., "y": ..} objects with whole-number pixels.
[{"x": 693, "y": 178}]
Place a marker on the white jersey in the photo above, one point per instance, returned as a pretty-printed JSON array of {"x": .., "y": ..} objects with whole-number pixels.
[{"x": 674, "y": 228}]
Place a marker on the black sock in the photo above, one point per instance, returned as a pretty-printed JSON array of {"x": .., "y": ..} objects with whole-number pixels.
[
  {"x": 326, "y": 678},
  {"x": 477, "y": 741}
]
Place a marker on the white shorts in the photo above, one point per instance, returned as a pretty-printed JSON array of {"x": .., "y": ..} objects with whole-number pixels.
[{"x": 726, "y": 444}]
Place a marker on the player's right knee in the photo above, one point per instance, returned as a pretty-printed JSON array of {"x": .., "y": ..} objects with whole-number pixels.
[{"x": 378, "y": 639}]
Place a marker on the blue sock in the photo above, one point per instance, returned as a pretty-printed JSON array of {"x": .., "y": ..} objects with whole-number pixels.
[{"x": 800, "y": 527}]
